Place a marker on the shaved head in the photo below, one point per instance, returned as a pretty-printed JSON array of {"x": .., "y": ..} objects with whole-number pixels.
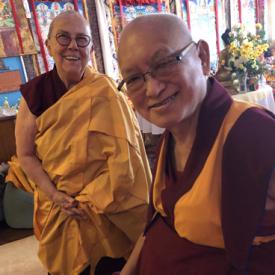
[
  {"x": 66, "y": 15},
  {"x": 163, "y": 70},
  {"x": 70, "y": 59},
  {"x": 166, "y": 27}
]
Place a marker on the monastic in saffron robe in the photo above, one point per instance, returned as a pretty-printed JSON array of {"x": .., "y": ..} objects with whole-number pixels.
[
  {"x": 90, "y": 145},
  {"x": 212, "y": 218}
]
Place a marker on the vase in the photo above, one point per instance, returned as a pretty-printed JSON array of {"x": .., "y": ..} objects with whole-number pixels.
[
  {"x": 242, "y": 78},
  {"x": 253, "y": 83}
]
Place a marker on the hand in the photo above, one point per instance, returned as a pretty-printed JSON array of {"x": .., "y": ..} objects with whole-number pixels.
[{"x": 68, "y": 205}]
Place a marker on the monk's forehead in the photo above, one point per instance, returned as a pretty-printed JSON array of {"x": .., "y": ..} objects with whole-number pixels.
[
  {"x": 165, "y": 31},
  {"x": 69, "y": 19}
]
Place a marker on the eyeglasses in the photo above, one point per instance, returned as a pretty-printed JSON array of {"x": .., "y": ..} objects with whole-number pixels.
[
  {"x": 82, "y": 40},
  {"x": 161, "y": 71}
]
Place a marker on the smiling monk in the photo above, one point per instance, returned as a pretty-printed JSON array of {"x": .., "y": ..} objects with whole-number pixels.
[
  {"x": 212, "y": 208},
  {"x": 79, "y": 144}
]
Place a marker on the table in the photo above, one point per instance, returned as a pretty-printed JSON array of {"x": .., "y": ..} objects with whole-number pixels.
[{"x": 263, "y": 96}]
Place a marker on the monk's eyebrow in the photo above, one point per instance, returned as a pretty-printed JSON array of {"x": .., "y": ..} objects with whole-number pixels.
[
  {"x": 62, "y": 31},
  {"x": 159, "y": 54},
  {"x": 131, "y": 71},
  {"x": 67, "y": 33},
  {"x": 156, "y": 57}
]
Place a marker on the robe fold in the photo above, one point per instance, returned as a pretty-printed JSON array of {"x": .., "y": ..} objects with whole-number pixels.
[{"x": 90, "y": 145}]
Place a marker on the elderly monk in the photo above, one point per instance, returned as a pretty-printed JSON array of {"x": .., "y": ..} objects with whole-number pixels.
[
  {"x": 212, "y": 208},
  {"x": 80, "y": 147}
]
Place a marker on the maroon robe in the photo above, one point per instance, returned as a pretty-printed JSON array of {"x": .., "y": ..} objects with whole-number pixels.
[
  {"x": 43, "y": 91},
  {"x": 247, "y": 164}
]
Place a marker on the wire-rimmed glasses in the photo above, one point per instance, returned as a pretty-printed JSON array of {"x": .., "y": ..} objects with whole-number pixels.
[
  {"x": 82, "y": 40},
  {"x": 161, "y": 71}
]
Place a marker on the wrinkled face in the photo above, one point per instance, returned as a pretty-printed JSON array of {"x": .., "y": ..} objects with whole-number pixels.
[
  {"x": 70, "y": 60},
  {"x": 165, "y": 100}
]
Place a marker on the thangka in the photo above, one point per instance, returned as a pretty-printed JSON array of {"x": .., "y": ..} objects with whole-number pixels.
[
  {"x": 117, "y": 19},
  {"x": 10, "y": 44},
  {"x": 130, "y": 12},
  {"x": 47, "y": 11}
]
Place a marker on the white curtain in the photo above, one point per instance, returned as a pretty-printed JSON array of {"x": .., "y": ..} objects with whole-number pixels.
[{"x": 104, "y": 38}]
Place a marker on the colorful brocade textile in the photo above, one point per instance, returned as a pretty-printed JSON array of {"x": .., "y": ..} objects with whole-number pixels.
[{"x": 15, "y": 35}]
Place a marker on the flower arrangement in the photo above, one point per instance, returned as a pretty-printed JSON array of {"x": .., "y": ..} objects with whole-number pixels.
[{"x": 245, "y": 51}]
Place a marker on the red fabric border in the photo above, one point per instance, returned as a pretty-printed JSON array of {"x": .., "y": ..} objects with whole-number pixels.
[
  {"x": 257, "y": 11},
  {"x": 188, "y": 14},
  {"x": 40, "y": 40},
  {"x": 76, "y": 5},
  {"x": 136, "y": 2},
  {"x": 240, "y": 11}
]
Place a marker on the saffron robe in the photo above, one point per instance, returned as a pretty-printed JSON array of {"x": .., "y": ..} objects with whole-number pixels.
[
  {"x": 90, "y": 145},
  {"x": 203, "y": 220}
]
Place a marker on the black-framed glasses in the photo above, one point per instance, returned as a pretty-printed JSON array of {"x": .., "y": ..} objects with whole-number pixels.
[
  {"x": 161, "y": 71},
  {"x": 82, "y": 40}
]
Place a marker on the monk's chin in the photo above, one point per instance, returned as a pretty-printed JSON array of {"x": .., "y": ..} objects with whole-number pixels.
[{"x": 74, "y": 75}]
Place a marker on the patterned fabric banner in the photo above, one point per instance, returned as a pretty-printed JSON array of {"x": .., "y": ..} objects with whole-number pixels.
[
  {"x": 132, "y": 11},
  {"x": 115, "y": 23},
  {"x": 9, "y": 38}
]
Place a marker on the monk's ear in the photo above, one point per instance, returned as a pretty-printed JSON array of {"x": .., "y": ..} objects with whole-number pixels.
[
  {"x": 48, "y": 45},
  {"x": 204, "y": 56},
  {"x": 92, "y": 50}
]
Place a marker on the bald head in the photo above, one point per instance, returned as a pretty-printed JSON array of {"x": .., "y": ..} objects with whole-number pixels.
[
  {"x": 68, "y": 15},
  {"x": 163, "y": 69},
  {"x": 163, "y": 27}
]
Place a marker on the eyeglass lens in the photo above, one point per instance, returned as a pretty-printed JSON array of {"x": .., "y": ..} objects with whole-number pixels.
[{"x": 65, "y": 40}]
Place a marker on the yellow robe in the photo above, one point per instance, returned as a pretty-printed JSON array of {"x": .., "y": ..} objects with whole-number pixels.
[{"x": 90, "y": 145}]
